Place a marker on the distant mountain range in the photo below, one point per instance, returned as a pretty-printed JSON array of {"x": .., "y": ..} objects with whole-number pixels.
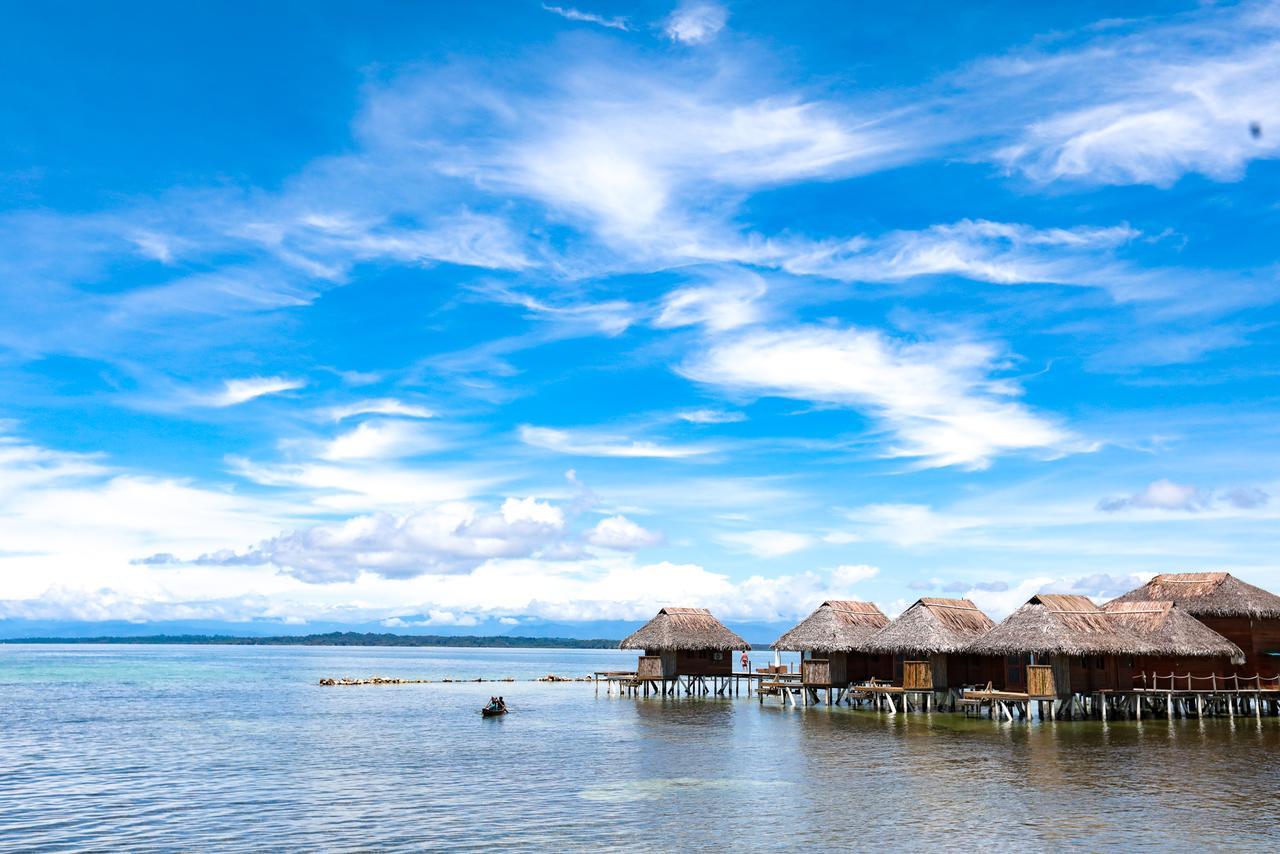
[
  {"x": 532, "y": 631},
  {"x": 340, "y": 639}
]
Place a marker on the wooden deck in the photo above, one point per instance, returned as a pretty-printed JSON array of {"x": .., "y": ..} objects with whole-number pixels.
[
  {"x": 731, "y": 684},
  {"x": 1255, "y": 696}
]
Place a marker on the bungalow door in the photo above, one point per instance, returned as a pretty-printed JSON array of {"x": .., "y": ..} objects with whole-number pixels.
[{"x": 1015, "y": 672}]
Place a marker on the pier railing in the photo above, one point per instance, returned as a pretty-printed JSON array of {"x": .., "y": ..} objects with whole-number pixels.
[{"x": 1213, "y": 682}]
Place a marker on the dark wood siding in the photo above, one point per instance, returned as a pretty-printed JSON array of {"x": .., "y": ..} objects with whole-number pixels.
[
  {"x": 1256, "y": 638},
  {"x": 703, "y": 663},
  {"x": 963, "y": 669},
  {"x": 863, "y": 667}
]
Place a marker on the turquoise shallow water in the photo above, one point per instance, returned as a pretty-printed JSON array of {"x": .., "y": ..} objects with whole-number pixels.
[{"x": 198, "y": 748}]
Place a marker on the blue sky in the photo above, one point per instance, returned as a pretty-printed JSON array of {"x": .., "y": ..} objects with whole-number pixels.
[{"x": 480, "y": 317}]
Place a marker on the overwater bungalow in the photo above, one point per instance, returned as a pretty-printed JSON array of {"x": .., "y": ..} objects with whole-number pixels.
[
  {"x": 1057, "y": 645},
  {"x": 685, "y": 643},
  {"x": 1184, "y": 646},
  {"x": 1246, "y": 615},
  {"x": 832, "y": 644},
  {"x": 928, "y": 643}
]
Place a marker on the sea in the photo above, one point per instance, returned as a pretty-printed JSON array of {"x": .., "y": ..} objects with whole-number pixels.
[{"x": 239, "y": 748}]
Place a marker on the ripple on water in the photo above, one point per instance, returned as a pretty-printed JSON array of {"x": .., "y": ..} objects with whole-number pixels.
[
  {"x": 648, "y": 790},
  {"x": 238, "y": 748}
]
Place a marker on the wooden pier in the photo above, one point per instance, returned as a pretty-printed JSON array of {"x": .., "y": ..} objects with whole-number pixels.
[
  {"x": 629, "y": 683},
  {"x": 1167, "y": 696}
]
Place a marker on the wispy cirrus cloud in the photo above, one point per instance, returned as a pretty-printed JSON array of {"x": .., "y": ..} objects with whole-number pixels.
[
  {"x": 606, "y": 316},
  {"x": 568, "y": 12},
  {"x": 911, "y": 524},
  {"x": 1177, "y": 97},
  {"x": 237, "y": 391},
  {"x": 726, "y": 302},
  {"x": 767, "y": 543},
  {"x": 942, "y": 402},
  {"x": 593, "y": 444},
  {"x": 711, "y": 416},
  {"x": 648, "y": 160},
  {"x": 378, "y": 406},
  {"x": 981, "y": 250},
  {"x": 1168, "y": 495}
]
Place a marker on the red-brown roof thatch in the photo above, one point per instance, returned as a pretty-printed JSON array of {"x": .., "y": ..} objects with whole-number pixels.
[
  {"x": 684, "y": 628},
  {"x": 1207, "y": 594},
  {"x": 932, "y": 625},
  {"x": 1173, "y": 630},
  {"x": 1060, "y": 624},
  {"x": 839, "y": 625}
]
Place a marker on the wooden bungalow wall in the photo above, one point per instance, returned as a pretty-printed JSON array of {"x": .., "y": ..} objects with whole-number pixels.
[
  {"x": 703, "y": 663},
  {"x": 1077, "y": 674},
  {"x": 1258, "y": 639},
  {"x": 964, "y": 669},
  {"x": 842, "y": 667},
  {"x": 872, "y": 666}
]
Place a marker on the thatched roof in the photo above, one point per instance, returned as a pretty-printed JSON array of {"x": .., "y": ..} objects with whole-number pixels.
[
  {"x": 1059, "y": 624},
  {"x": 839, "y": 625},
  {"x": 684, "y": 628},
  {"x": 932, "y": 625},
  {"x": 1207, "y": 594},
  {"x": 1172, "y": 629}
]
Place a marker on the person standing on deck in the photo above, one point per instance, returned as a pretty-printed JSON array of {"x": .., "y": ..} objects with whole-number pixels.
[{"x": 746, "y": 662}]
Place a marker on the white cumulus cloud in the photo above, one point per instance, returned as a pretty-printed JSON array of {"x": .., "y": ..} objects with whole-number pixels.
[
  {"x": 455, "y": 537},
  {"x": 621, "y": 534},
  {"x": 696, "y": 21},
  {"x": 380, "y": 439}
]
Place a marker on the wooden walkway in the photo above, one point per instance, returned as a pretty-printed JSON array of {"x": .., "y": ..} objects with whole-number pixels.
[
  {"x": 626, "y": 682},
  {"x": 1255, "y": 696}
]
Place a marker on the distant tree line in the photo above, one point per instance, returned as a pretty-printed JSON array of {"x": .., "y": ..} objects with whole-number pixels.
[{"x": 346, "y": 639}]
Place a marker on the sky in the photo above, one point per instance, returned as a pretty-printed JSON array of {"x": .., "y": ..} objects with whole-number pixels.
[{"x": 477, "y": 317}]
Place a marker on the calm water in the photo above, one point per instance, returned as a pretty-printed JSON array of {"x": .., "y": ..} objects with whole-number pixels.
[{"x": 238, "y": 748}]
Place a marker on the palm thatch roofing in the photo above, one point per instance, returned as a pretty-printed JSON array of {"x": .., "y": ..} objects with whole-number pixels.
[
  {"x": 1207, "y": 594},
  {"x": 1173, "y": 629},
  {"x": 684, "y": 628},
  {"x": 932, "y": 625},
  {"x": 1060, "y": 624},
  {"x": 839, "y": 625}
]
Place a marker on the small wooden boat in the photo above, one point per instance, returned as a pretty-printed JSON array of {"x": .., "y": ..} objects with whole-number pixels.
[{"x": 493, "y": 711}]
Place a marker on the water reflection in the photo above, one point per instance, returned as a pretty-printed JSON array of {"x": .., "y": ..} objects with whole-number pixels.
[{"x": 194, "y": 748}]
